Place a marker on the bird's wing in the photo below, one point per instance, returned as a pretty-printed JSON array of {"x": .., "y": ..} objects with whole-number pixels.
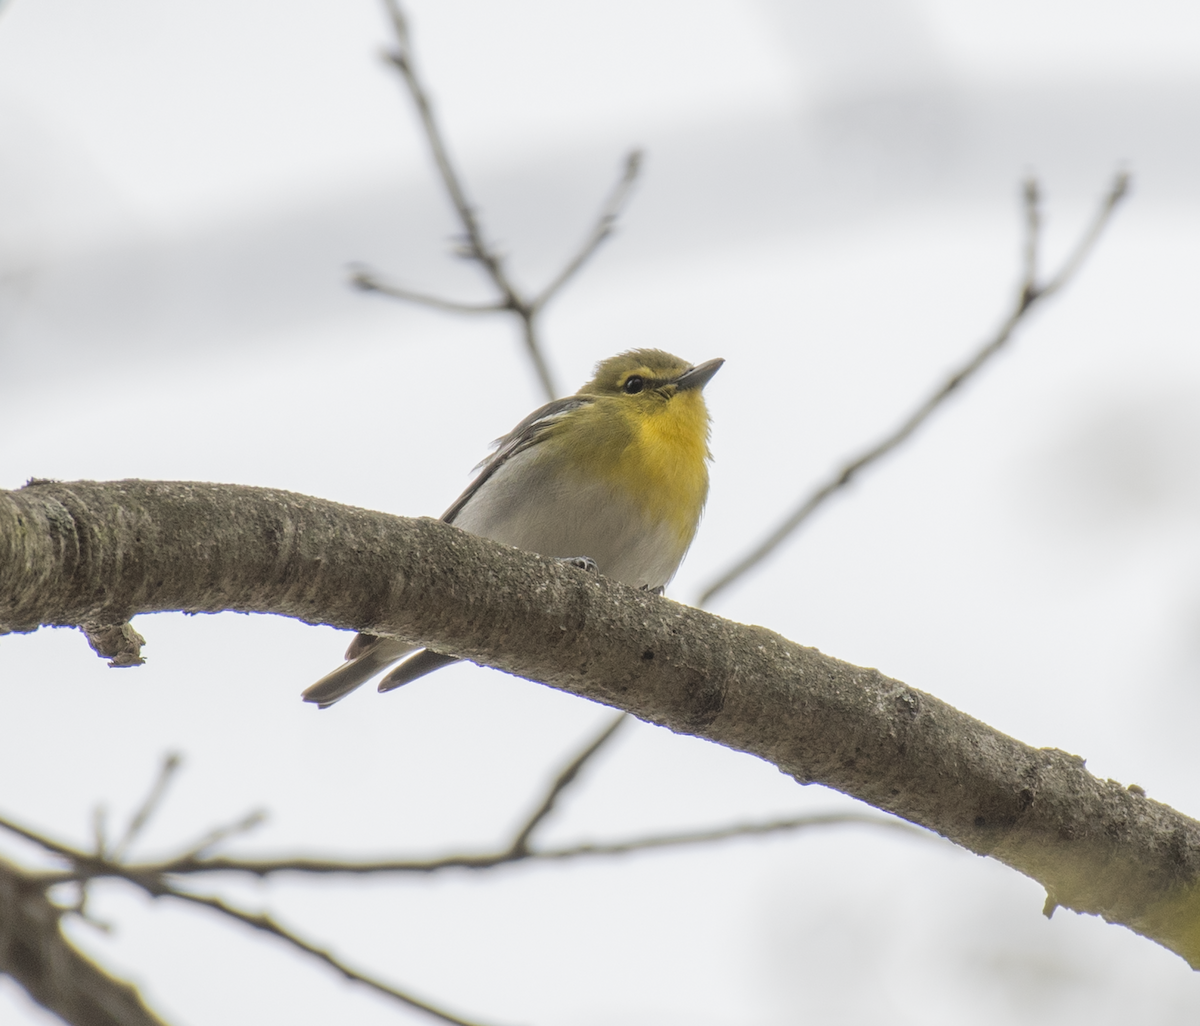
[
  {"x": 368, "y": 653},
  {"x": 528, "y": 433}
]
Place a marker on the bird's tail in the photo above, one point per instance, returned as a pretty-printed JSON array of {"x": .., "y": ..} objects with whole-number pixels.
[
  {"x": 367, "y": 656},
  {"x": 416, "y": 665}
]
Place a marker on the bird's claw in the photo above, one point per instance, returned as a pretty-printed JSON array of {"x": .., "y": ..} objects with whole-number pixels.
[{"x": 584, "y": 563}]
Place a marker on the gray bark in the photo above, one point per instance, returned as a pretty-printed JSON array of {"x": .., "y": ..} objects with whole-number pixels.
[{"x": 94, "y": 555}]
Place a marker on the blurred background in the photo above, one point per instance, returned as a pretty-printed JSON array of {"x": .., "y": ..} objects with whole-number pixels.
[{"x": 830, "y": 201}]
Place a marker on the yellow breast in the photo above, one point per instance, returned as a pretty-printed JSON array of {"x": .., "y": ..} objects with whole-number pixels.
[{"x": 654, "y": 453}]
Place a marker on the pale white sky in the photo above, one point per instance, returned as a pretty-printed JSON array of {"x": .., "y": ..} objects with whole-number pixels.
[{"x": 829, "y": 202}]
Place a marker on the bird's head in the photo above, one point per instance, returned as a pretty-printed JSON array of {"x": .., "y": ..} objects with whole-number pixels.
[{"x": 649, "y": 377}]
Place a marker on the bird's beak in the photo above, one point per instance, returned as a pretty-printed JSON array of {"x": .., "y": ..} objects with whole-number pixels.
[{"x": 697, "y": 377}]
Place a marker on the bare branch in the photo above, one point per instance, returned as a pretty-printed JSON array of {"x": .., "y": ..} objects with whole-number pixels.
[
  {"x": 1029, "y": 294},
  {"x": 218, "y": 835},
  {"x": 137, "y": 823},
  {"x": 365, "y": 279},
  {"x": 487, "y": 861},
  {"x": 191, "y": 863},
  {"x": 268, "y": 925},
  {"x": 73, "y": 855},
  {"x": 1119, "y": 190},
  {"x": 602, "y": 229},
  {"x": 156, "y": 876},
  {"x": 533, "y": 349},
  {"x": 34, "y": 952},
  {"x": 155, "y": 881},
  {"x": 1033, "y": 232},
  {"x": 731, "y": 832},
  {"x": 520, "y": 844},
  {"x": 100, "y": 831},
  {"x": 475, "y": 245}
]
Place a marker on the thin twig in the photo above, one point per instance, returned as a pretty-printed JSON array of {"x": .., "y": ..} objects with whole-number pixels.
[
  {"x": 100, "y": 830},
  {"x": 1033, "y": 238},
  {"x": 727, "y": 833},
  {"x": 1085, "y": 245},
  {"x": 155, "y": 881},
  {"x": 601, "y": 230},
  {"x": 268, "y": 925},
  {"x": 87, "y": 867},
  {"x": 1029, "y": 294},
  {"x": 220, "y": 834},
  {"x": 475, "y": 245},
  {"x": 364, "y": 279},
  {"x": 333, "y": 867},
  {"x": 52, "y": 846},
  {"x": 137, "y": 823},
  {"x": 520, "y": 844}
]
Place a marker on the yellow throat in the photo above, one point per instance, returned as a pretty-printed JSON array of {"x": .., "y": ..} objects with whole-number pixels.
[{"x": 646, "y": 434}]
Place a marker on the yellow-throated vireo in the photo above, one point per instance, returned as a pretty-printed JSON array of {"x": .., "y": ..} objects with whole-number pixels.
[{"x": 613, "y": 478}]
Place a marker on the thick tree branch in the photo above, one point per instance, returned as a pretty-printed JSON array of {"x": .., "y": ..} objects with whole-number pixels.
[{"x": 101, "y": 553}]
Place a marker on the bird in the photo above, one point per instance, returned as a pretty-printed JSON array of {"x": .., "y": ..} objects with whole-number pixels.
[{"x": 613, "y": 479}]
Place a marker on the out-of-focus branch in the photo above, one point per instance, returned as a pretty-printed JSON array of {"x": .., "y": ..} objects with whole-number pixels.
[
  {"x": 570, "y": 773},
  {"x": 1029, "y": 293},
  {"x": 565, "y": 853},
  {"x": 267, "y": 924},
  {"x": 1120, "y": 188},
  {"x": 86, "y": 868},
  {"x": 475, "y": 245},
  {"x": 193, "y": 860},
  {"x": 601, "y": 230},
  {"x": 226, "y": 832},
  {"x": 34, "y": 952},
  {"x": 364, "y": 279},
  {"x": 137, "y": 822},
  {"x": 63, "y": 981},
  {"x": 161, "y": 879}
]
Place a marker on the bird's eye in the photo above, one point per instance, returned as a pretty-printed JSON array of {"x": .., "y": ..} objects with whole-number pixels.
[{"x": 634, "y": 384}]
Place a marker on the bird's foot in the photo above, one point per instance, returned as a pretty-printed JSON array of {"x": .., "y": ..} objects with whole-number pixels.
[{"x": 584, "y": 563}]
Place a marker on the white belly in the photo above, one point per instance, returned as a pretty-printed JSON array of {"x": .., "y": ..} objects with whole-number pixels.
[{"x": 523, "y": 505}]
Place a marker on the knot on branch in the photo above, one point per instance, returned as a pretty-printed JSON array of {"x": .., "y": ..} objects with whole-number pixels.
[{"x": 120, "y": 644}]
